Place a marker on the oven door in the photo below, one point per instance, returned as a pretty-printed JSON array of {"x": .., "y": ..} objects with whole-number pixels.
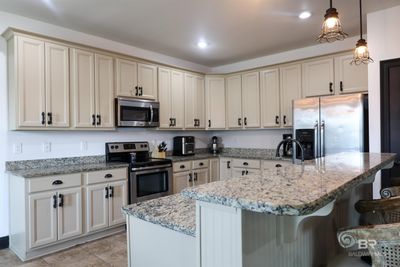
[
  {"x": 150, "y": 183},
  {"x": 137, "y": 113}
]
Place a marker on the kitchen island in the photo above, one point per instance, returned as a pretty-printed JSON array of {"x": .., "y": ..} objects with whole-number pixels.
[{"x": 287, "y": 216}]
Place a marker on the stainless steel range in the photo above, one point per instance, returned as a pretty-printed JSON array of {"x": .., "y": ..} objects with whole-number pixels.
[{"x": 148, "y": 177}]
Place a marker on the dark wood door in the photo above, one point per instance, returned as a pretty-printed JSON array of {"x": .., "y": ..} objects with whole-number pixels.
[{"x": 390, "y": 117}]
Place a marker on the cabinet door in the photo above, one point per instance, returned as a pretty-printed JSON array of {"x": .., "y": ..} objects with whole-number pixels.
[
  {"x": 225, "y": 169},
  {"x": 118, "y": 198},
  {"x": 30, "y": 82},
  {"x": 57, "y": 85},
  {"x": 215, "y": 102},
  {"x": 69, "y": 213},
  {"x": 290, "y": 78},
  {"x": 104, "y": 91},
  {"x": 164, "y": 97},
  {"x": 83, "y": 88},
  {"x": 318, "y": 77},
  {"x": 251, "y": 100},
  {"x": 177, "y": 99},
  {"x": 214, "y": 170},
  {"x": 42, "y": 219},
  {"x": 234, "y": 101},
  {"x": 126, "y": 77},
  {"x": 147, "y": 81},
  {"x": 270, "y": 102},
  {"x": 190, "y": 101},
  {"x": 96, "y": 207},
  {"x": 200, "y": 101},
  {"x": 201, "y": 176},
  {"x": 181, "y": 181},
  {"x": 350, "y": 78}
]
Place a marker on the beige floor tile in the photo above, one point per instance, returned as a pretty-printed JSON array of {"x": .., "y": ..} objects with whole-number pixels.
[
  {"x": 35, "y": 263},
  {"x": 115, "y": 256},
  {"x": 8, "y": 258}
]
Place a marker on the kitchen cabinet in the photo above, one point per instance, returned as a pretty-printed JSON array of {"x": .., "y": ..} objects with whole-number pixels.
[
  {"x": 190, "y": 173},
  {"x": 270, "y": 99},
  {"x": 243, "y": 167},
  {"x": 181, "y": 181},
  {"x": 214, "y": 170},
  {"x": 251, "y": 100},
  {"x": 200, "y": 176},
  {"x": 194, "y": 101},
  {"x": 239, "y": 172},
  {"x": 234, "y": 101},
  {"x": 136, "y": 79},
  {"x": 92, "y": 82},
  {"x": 350, "y": 78},
  {"x": 171, "y": 98},
  {"x": 215, "y": 102},
  {"x": 39, "y": 84},
  {"x": 273, "y": 164},
  {"x": 225, "y": 169},
  {"x": 318, "y": 77},
  {"x": 290, "y": 83}
]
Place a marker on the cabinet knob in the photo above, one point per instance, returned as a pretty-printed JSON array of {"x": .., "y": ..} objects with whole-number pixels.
[
  {"x": 278, "y": 165},
  {"x": 182, "y": 166},
  {"x": 201, "y": 163},
  {"x": 245, "y": 163}
]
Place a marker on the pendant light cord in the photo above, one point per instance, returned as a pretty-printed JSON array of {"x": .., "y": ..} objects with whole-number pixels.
[
  {"x": 361, "y": 32},
  {"x": 330, "y": 1}
]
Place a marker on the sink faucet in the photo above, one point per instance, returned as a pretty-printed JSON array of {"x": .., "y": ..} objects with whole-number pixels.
[{"x": 294, "y": 141}]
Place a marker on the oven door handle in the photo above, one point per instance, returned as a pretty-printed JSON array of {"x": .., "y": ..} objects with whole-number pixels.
[
  {"x": 146, "y": 170},
  {"x": 151, "y": 113}
]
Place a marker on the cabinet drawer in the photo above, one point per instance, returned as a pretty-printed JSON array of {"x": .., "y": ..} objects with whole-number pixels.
[
  {"x": 246, "y": 163},
  {"x": 270, "y": 164},
  {"x": 54, "y": 182},
  {"x": 181, "y": 166},
  {"x": 199, "y": 164},
  {"x": 106, "y": 176}
]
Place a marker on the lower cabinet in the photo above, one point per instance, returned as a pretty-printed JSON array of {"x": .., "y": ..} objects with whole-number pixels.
[
  {"x": 214, "y": 170},
  {"x": 190, "y": 173},
  {"x": 225, "y": 169},
  {"x": 238, "y": 172}
]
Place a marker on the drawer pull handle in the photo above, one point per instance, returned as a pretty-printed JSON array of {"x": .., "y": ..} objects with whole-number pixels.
[
  {"x": 245, "y": 163},
  {"x": 247, "y": 172},
  {"x": 55, "y": 201},
  {"x": 108, "y": 175},
  {"x": 182, "y": 166},
  {"x": 278, "y": 165},
  {"x": 61, "y": 196},
  {"x": 57, "y": 182},
  {"x": 201, "y": 163},
  {"x": 106, "y": 195},
  {"x": 228, "y": 164},
  {"x": 111, "y": 191}
]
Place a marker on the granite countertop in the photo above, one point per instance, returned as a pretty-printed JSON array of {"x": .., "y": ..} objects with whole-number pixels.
[
  {"x": 174, "y": 212},
  {"x": 294, "y": 189}
]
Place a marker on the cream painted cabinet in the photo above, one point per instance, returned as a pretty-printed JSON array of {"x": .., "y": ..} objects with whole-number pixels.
[
  {"x": 171, "y": 97},
  {"x": 290, "y": 83},
  {"x": 251, "y": 100},
  {"x": 118, "y": 199},
  {"x": 215, "y": 102},
  {"x": 350, "y": 78},
  {"x": 194, "y": 101},
  {"x": 270, "y": 100},
  {"x": 200, "y": 176},
  {"x": 214, "y": 170},
  {"x": 225, "y": 168},
  {"x": 181, "y": 181},
  {"x": 318, "y": 77},
  {"x": 69, "y": 213},
  {"x": 93, "y": 79},
  {"x": 234, "y": 101},
  {"x": 135, "y": 79}
]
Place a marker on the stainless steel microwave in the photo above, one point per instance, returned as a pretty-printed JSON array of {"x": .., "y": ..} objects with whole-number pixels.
[{"x": 132, "y": 112}]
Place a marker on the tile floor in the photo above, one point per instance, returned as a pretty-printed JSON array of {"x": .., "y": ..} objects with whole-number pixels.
[{"x": 109, "y": 251}]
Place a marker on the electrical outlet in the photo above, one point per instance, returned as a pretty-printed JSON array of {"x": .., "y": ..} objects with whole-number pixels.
[
  {"x": 84, "y": 146},
  {"x": 46, "y": 147},
  {"x": 17, "y": 149}
]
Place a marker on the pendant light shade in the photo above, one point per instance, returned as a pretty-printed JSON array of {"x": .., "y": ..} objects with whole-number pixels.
[
  {"x": 361, "y": 53},
  {"x": 331, "y": 27}
]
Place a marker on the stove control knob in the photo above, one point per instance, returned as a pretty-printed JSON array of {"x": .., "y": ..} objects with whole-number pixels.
[
  {"x": 116, "y": 147},
  {"x": 141, "y": 146},
  {"x": 112, "y": 147}
]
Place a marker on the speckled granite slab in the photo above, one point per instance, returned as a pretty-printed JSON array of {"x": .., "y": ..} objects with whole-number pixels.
[
  {"x": 294, "y": 189},
  {"x": 174, "y": 212}
]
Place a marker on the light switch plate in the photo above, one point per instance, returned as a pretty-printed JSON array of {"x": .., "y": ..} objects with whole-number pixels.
[
  {"x": 46, "y": 147},
  {"x": 17, "y": 148}
]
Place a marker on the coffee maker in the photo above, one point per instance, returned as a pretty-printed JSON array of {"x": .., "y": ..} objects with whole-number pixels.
[{"x": 214, "y": 145}]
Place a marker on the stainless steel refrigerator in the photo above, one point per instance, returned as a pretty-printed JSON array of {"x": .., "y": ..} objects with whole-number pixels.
[{"x": 331, "y": 124}]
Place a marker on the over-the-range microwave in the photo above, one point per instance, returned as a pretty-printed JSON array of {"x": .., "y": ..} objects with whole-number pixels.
[{"x": 131, "y": 112}]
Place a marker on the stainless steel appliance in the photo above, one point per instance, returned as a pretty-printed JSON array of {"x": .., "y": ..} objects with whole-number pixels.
[
  {"x": 184, "y": 145},
  {"x": 130, "y": 112},
  {"x": 148, "y": 177},
  {"x": 332, "y": 124},
  {"x": 214, "y": 145}
]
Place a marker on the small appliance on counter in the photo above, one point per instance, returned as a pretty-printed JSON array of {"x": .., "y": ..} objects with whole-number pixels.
[
  {"x": 214, "y": 145},
  {"x": 184, "y": 146},
  {"x": 288, "y": 146}
]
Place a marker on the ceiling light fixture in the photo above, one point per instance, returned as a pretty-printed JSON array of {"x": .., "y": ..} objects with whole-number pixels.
[
  {"x": 305, "y": 15},
  {"x": 202, "y": 44},
  {"x": 361, "y": 53},
  {"x": 331, "y": 28}
]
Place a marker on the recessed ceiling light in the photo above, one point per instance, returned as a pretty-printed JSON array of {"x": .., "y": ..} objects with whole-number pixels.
[
  {"x": 202, "y": 44},
  {"x": 305, "y": 15}
]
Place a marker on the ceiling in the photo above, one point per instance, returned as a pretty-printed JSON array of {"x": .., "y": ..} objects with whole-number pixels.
[{"x": 235, "y": 29}]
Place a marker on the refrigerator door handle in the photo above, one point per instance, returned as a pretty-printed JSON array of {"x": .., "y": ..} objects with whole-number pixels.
[
  {"x": 316, "y": 141},
  {"x": 322, "y": 138}
]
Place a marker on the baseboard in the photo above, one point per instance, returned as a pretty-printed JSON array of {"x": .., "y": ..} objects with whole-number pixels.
[{"x": 4, "y": 242}]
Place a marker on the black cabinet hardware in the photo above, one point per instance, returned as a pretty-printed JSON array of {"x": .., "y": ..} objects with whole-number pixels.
[
  {"x": 61, "y": 196},
  {"x": 111, "y": 191},
  {"x": 276, "y": 119},
  {"x": 245, "y": 163},
  {"x": 106, "y": 195},
  {"x": 247, "y": 172},
  {"x": 182, "y": 166},
  {"x": 137, "y": 91},
  {"x": 57, "y": 182},
  {"x": 195, "y": 177},
  {"x": 245, "y": 121},
  {"x": 228, "y": 164},
  {"x": 140, "y": 91},
  {"x": 55, "y": 201},
  {"x": 170, "y": 122},
  {"x": 108, "y": 175},
  {"x": 50, "y": 121},
  {"x": 198, "y": 122},
  {"x": 278, "y": 165},
  {"x": 341, "y": 86},
  {"x": 243, "y": 172},
  {"x": 201, "y": 163},
  {"x": 173, "y": 122},
  {"x": 240, "y": 121},
  {"x": 331, "y": 87},
  {"x": 190, "y": 177},
  {"x": 43, "y": 118},
  {"x": 98, "y": 120},
  {"x": 209, "y": 123},
  {"x": 284, "y": 119},
  {"x": 93, "y": 120}
]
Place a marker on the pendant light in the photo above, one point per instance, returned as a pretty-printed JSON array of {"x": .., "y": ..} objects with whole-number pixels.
[
  {"x": 331, "y": 28},
  {"x": 361, "y": 53}
]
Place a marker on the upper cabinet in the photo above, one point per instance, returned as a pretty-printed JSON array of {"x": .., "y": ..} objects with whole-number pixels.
[
  {"x": 171, "y": 97},
  {"x": 350, "y": 78},
  {"x": 194, "y": 101},
  {"x": 234, "y": 101},
  {"x": 215, "y": 102},
  {"x": 92, "y": 79},
  {"x": 270, "y": 100},
  {"x": 251, "y": 100},
  {"x": 136, "y": 79},
  {"x": 290, "y": 82},
  {"x": 318, "y": 77}
]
